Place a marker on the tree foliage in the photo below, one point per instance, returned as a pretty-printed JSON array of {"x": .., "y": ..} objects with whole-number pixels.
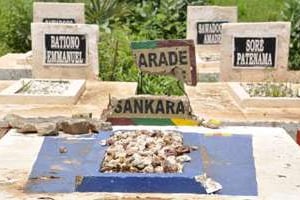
[
  {"x": 15, "y": 19},
  {"x": 291, "y": 12}
]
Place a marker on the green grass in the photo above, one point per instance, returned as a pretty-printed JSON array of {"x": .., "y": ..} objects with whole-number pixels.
[{"x": 254, "y": 10}]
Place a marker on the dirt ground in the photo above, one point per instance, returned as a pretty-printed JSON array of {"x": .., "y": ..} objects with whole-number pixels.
[{"x": 208, "y": 100}]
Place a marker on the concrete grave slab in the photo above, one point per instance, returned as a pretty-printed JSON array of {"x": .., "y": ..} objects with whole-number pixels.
[
  {"x": 21, "y": 92},
  {"x": 256, "y": 52},
  {"x": 11, "y": 69},
  {"x": 276, "y": 164},
  {"x": 65, "y": 51},
  {"x": 25, "y": 59},
  {"x": 245, "y": 101},
  {"x": 85, "y": 177},
  {"x": 58, "y": 12},
  {"x": 204, "y": 25}
]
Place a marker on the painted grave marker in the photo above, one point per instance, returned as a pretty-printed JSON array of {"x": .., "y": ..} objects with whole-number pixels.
[
  {"x": 62, "y": 13},
  {"x": 255, "y": 52},
  {"x": 167, "y": 57},
  {"x": 65, "y": 50},
  {"x": 148, "y": 106}
]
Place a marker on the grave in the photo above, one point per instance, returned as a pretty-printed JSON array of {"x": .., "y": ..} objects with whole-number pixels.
[
  {"x": 20, "y": 65},
  {"x": 43, "y": 91},
  {"x": 65, "y": 50},
  {"x": 265, "y": 95},
  {"x": 66, "y": 13},
  {"x": 204, "y": 26},
  {"x": 84, "y": 176},
  {"x": 256, "y": 52},
  {"x": 165, "y": 57}
]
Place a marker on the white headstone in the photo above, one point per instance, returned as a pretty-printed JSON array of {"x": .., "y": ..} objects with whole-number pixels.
[
  {"x": 64, "y": 50},
  {"x": 255, "y": 51},
  {"x": 71, "y": 13},
  {"x": 204, "y": 26}
]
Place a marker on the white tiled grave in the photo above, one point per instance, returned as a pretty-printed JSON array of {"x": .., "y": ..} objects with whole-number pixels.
[
  {"x": 43, "y": 91},
  {"x": 243, "y": 98}
]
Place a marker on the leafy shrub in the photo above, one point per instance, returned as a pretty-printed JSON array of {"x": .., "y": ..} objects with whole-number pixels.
[
  {"x": 159, "y": 19},
  {"x": 124, "y": 21},
  {"x": 291, "y": 12},
  {"x": 105, "y": 13},
  {"x": 160, "y": 85},
  {"x": 115, "y": 58},
  {"x": 15, "y": 19}
]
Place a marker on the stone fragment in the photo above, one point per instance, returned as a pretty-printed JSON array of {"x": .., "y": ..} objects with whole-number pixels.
[
  {"x": 47, "y": 129},
  {"x": 50, "y": 126},
  {"x": 27, "y": 128},
  {"x": 82, "y": 115},
  {"x": 75, "y": 126},
  {"x": 103, "y": 142},
  {"x": 4, "y": 124},
  {"x": 14, "y": 121},
  {"x": 97, "y": 125},
  {"x": 208, "y": 183},
  {"x": 63, "y": 150}
]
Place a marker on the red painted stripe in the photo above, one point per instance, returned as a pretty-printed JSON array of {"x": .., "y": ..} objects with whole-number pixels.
[
  {"x": 298, "y": 137},
  {"x": 120, "y": 121},
  {"x": 174, "y": 43},
  {"x": 193, "y": 64}
]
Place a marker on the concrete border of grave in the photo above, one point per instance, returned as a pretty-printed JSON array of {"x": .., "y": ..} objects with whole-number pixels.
[
  {"x": 25, "y": 59},
  {"x": 87, "y": 47},
  {"x": 245, "y": 101},
  {"x": 54, "y": 12},
  {"x": 230, "y": 71},
  {"x": 10, "y": 69},
  {"x": 11, "y": 95}
]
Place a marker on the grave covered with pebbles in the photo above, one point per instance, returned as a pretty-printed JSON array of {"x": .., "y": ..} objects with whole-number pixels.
[{"x": 144, "y": 151}]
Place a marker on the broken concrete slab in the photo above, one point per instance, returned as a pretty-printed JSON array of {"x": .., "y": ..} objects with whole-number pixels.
[{"x": 50, "y": 126}]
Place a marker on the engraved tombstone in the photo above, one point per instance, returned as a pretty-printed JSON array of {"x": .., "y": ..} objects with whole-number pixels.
[
  {"x": 64, "y": 13},
  {"x": 204, "y": 26},
  {"x": 65, "y": 50},
  {"x": 255, "y": 51}
]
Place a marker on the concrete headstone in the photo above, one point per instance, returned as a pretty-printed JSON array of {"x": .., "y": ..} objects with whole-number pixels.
[
  {"x": 66, "y": 13},
  {"x": 65, "y": 50},
  {"x": 255, "y": 51},
  {"x": 204, "y": 26}
]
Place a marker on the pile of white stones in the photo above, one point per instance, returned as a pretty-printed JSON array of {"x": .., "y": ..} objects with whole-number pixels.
[
  {"x": 45, "y": 87},
  {"x": 145, "y": 151}
]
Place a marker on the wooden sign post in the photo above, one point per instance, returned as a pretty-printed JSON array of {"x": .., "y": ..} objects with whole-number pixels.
[
  {"x": 167, "y": 57},
  {"x": 163, "y": 57}
]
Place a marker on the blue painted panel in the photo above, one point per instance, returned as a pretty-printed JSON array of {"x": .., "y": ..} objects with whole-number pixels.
[
  {"x": 228, "y": 160},
  {"x": 134, "y": 184},
  {"x": 61, "y": 167},
  {"x": 231, "y": 163}
]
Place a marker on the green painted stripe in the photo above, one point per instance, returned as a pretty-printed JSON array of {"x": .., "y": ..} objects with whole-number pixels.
[
  {"x": 153, "y": 121},
  {"x": 151, "y": 44}
]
